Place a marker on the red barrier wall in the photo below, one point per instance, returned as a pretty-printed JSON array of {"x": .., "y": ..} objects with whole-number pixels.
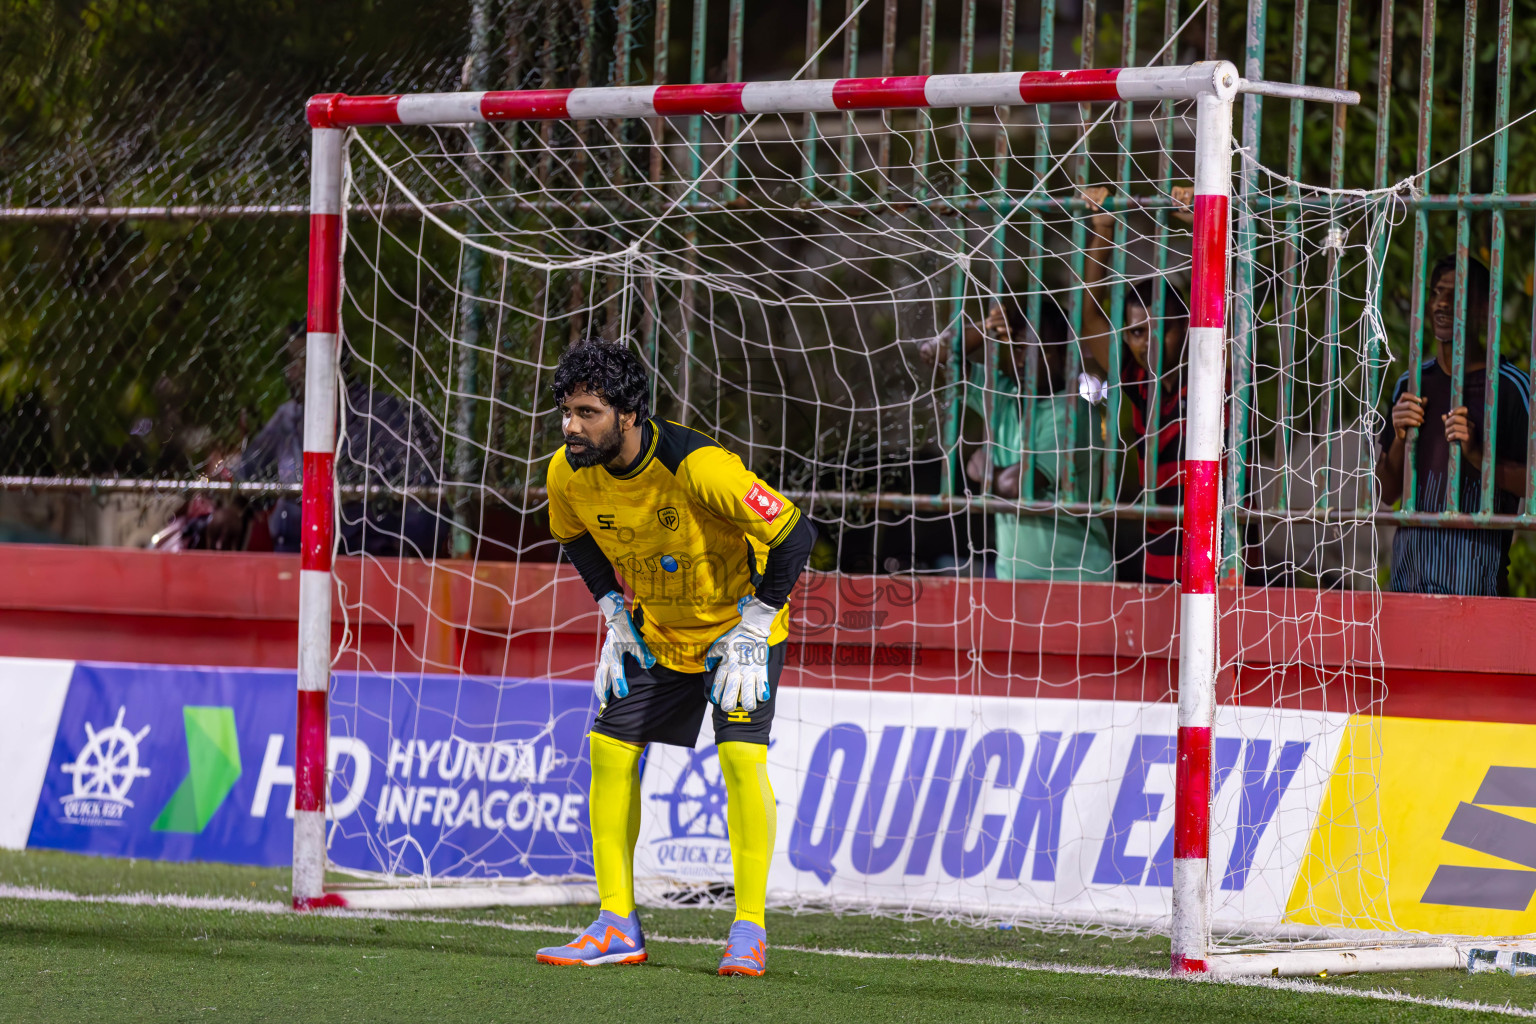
[{"x": 1438, "y": 657}]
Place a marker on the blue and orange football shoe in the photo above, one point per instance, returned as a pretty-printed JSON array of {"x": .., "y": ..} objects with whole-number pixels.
[
  {"x": 610, "y": 939},
  {"x": 746, "y": 951}
]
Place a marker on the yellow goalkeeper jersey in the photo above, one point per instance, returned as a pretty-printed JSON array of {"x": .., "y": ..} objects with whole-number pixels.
[{"x": 688, "y": 529}]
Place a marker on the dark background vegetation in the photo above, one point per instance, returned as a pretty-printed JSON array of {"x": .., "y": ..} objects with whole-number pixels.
[{"x": 146, "y": 348}]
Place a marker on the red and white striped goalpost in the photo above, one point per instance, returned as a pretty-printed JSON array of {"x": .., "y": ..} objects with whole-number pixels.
[
  {"x": 1205, "y": 348},
  {"x": 319, "y": 519},
  {"x": 1212, "y": 85}
]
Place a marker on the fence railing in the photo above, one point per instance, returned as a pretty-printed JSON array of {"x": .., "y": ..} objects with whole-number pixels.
[{"x": 145, "y": 334}]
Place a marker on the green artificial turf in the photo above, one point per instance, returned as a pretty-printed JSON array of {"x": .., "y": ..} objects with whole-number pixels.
[{"x": 69, "y": 961}]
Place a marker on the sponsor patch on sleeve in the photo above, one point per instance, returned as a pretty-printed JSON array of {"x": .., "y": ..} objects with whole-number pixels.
[{"x": 763, "y": 502}]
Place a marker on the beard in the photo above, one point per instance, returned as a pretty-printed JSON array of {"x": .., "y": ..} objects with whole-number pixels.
[{"x": 594, "y": 450}]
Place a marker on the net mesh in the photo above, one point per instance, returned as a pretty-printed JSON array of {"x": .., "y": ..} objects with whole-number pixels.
[{"x": 985, "y": 306}]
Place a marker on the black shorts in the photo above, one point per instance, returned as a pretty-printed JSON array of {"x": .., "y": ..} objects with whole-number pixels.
[{"x": 667, "y": 706}]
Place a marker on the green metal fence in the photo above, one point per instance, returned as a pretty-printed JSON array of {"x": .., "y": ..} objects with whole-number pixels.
[{"x": 150, "y": 297}]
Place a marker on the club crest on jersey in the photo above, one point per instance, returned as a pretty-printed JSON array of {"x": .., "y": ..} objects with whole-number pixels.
[
  {"x": 764, "y": 503},
  {"x": 667, "y": 517}
]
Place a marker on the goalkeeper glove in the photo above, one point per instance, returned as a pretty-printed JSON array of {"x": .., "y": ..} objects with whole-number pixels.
[
  {"x": 742, "y": 658},
  {"x": 623, "y": 638}
]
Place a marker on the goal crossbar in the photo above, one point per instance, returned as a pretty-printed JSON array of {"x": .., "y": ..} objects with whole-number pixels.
[
  {"x": 1211, "y": 85},
  {"x": 1000, "y": 89}
]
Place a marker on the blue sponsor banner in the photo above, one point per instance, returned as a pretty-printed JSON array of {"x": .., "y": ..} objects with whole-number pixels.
[
  {"x": 438, "y": 775},
  {"x": 471, "y": 777},
  {"x": 121, "y": 753}
]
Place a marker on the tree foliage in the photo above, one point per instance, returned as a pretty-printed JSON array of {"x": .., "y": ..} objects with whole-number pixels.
[{"x": 138, "y": 346}]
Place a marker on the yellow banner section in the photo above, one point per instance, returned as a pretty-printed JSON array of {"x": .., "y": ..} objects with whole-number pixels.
[{"x": 1426, "y": 825}]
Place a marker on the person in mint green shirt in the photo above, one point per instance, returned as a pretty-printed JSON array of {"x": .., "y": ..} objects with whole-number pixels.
[{"x": 1065, "y": 420}]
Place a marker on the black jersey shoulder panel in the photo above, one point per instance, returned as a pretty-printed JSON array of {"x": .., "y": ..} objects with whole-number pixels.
[{"x": 675, "y": 442}]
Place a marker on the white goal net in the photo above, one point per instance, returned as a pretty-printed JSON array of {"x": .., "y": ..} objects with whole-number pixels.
[{"x": 954, "y": 338}]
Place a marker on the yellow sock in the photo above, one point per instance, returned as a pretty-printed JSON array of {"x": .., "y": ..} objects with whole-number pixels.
[
  {"x": 751, "y": 816},
  {"x": 613, "y": 808}
]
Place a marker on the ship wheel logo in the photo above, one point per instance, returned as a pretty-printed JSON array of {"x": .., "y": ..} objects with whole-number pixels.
[
  {"x": 696, "y": 805},
  {"x": 104, "y": 771}
]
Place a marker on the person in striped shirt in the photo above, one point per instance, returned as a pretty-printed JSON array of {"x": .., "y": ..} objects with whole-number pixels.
[
  {"x": 1436, "y": 559},
  {"x": 1156, "y": 389}
]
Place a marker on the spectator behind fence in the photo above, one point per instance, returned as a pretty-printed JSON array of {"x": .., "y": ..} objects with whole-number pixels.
[
  {"x": 386, "y": 442},
  {"x": 1143, "y": 384},
  {"x": 1062, "y": 423},
  {"x": 1443, "y": 560}
]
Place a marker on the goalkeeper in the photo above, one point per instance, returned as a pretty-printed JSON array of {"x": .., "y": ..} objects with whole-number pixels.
[{"x": 711, "y": 553}]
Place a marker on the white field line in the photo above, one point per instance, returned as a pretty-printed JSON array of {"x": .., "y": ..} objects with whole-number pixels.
[
  {"x": 274, "y": 908},
  {"x": 144, "y": 899}
]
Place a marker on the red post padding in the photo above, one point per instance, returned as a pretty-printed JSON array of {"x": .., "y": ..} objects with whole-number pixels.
[
  {"x": 319, "y": 511},
  {"x": 879, "y": 93},
  {"x": 309, "y": 761},
  {"x": 1202, "y": 507},
  {"x": 1086, "y": 85},
  {"x": 1192, "y": 802},
  {"x": 324, "y": 272},
  {"x": 525, "y": 105},
  {"x": 712, "y": 98},
  {"x": 1208, "y": 281}
]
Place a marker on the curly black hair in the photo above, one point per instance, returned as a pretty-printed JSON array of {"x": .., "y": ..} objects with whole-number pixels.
[{"x": 607, "y": 369}]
